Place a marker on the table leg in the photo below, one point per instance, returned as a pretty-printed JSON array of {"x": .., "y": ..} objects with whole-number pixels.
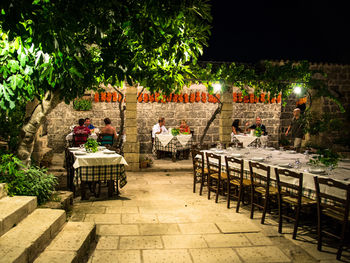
[
  {"x": 173, "y": 156},
  {"x": 82, "y": 189},
  {"x": 110, "y": 187}
]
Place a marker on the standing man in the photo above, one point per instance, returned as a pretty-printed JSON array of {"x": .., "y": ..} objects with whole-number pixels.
[
  {"x": 159, "y": 127},
  {"x": 257, "y": 124},
  {"x": 297, "y": 129}
]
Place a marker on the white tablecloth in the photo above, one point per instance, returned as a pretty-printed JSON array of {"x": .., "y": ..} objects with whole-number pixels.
[
  {"x": 166, "y": 138},
  {"x": 69, "y": 137},
  {"x": 277, "y": 158},
  {"x": 97, "y": 159}
]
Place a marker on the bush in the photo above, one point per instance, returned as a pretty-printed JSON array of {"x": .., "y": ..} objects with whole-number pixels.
[
  {"x": 82, "y": 105},
  {"x": 32, "y": 181}
]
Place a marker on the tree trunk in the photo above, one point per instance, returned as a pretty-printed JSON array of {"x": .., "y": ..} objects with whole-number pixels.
[
  {"x": 210, "y": 121},
  {"x": 29, "y": 130},
  {"x": 122, "y": 120}
]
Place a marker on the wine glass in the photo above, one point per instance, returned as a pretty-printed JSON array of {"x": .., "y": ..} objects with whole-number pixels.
[{"x": 329, "y": 169}]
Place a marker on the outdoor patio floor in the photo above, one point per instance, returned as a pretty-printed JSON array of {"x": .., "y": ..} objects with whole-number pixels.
[{"x": 157, "y": 218}]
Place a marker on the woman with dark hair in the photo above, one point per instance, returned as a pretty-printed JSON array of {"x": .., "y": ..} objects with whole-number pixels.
[
  {"x": 107, "y": 133},
  {"x": 235, "y": 127}
]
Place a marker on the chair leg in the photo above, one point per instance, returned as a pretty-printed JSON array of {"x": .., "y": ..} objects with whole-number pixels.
[
  {"x": 296, "y": 223},
  {"x": 266, "y": 202},
  {"x": 280, "y": 215},
  {"x": 217, "y": 192},
  {"x": 202, "y": 184},
  {"x": 341, "y": 242},
  {"x": 228, "y": 195},
  {"x": 240, "y": 194},
  {"x": 194, "y": 182},
  {"x": 208, "y": 185},
  {"x": 110, "y": 188},
  {"x": 252, "y": 205},
  {"x": 319, "y": 232}
]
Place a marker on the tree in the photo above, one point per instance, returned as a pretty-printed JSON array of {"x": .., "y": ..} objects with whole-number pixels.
[{"x": 53, "y": 51}]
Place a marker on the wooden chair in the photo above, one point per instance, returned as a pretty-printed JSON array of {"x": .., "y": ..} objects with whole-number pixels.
[
  {"x": 215, "y": 176},
  {"x": 290, "y": 195},
  {"x": 333, "y": 206},
  {"x": 80, "y": 138},
  {"x": 200, "y": 173},
  {"x": 260, "y": 187},
  {"x": 106, "y": 139},
  {"x": 234, "y": 169}
]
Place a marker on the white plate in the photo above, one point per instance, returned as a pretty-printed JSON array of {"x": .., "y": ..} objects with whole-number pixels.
[
  {"x": 285, "y": 165},
  {"x": 101, "y": 148},
  {"x": 108, "y": 152},
  {"x": 219, "y": 151},
  {"x": 80, "y": 153},
  {"x": 292, "y": 152},
  {"x": 270, "y": 148},
  {"x": 74, "y": 148},
  {"x": 316, "y": 171},
  {"x": 257, "y": 159},
  {"x": 236, "y": 155}
]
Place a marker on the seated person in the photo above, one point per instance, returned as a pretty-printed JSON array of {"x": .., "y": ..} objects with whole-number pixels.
[
  {"x": 257, "y": 124},
  {"x": 159, "y": 127},
  {"x": 184, "y": 128},
  {"x": 108, "y": 133},
  {"x": 89, "y": 125},
  {"x": 235, "y": 127},
  {"x": 81, "y": 133}
]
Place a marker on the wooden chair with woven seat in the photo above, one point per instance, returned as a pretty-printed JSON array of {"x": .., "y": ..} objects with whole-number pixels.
[
  {"x": 216, "y": 178},
  {"x": 200, "y": 173},
  {"x": 333, "y": 201},
  {"x": 80, "y": 138},
  {"x": 260, "y": 187},
  {"x": 291, "y": 195},
  {"x": 234, "y": 170}
]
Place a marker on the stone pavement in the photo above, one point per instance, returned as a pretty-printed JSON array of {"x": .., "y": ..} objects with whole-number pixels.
[{"x": 157, "y": 218}]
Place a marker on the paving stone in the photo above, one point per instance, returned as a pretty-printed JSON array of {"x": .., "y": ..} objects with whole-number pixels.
[
  {"x": 137, "y": 203},
  {"x": 231, "y": 227},
  {"x": 57, "y": 257},
  {"x": 108, "y": 242},
  {"x": 108, "y": 203},
  {"x": 90, "y": 209},
  {"x": 226, "y": 240},
  {"x": 209, "y": 217},
  {"x": 258, "y": 239},
  {"x": 122, "y": 210},
  {"x": 184, "y": 241},
  {"x": 139, "y": 218},
  {"x": 103, "y": 218},
  {"x": 198, "y": 228},
  {"x": 140, "y": 242},
  {"x": 174, "y": 218},
  {"x": 120, "y": 230},
  {"x": 217, "y": 255},
  {"x": 166, "y": 256},
  {"x": 116, "y": 256},
  {"x": 159, "y": 229},
  {"x": 262, "y": 254}
]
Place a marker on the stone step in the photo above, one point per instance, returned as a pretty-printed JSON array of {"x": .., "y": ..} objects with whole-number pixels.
[
  {"x": 14, "y": 209},
  {"x": 72, "y": 244},
  {"x": 3, "y": 191},
  {"x": 30, "y": 237}
]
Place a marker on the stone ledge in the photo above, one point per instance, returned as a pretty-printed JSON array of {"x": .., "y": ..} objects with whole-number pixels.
[{"x": 3, "y": 190}]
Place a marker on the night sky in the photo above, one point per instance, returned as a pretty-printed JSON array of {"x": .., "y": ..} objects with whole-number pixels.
[{"x": 249, "y": 31}]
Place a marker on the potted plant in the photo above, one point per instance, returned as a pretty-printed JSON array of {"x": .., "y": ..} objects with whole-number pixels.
[{"x": 91, "y": 145}]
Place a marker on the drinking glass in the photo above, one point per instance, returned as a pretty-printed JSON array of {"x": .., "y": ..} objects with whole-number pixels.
[{"x": 297, "y": 163}]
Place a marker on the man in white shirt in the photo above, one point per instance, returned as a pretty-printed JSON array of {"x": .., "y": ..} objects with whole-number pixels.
[{"x": 159, "y": 127}]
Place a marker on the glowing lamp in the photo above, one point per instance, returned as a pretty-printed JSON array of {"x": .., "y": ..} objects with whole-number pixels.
[
  {"x": 217, "y": 87},
  {"x": 297, "y": 90}
]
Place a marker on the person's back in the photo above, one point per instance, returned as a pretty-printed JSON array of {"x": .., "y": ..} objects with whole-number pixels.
[
  {"x": 81, "y": 133},
  {"x": 107, "y": 133}
]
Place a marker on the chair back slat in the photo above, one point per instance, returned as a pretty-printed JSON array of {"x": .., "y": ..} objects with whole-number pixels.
[
  {"x": 234, "y": 172},
  {"x": 325, "y": 199},
  {"x": 257, "y": 178},
  {"x": 80, "y": 138},
  {"x": 287, "y": 174},
  {"x": 213, "y": 163},
  {"x": 106, "y": 139},
  {"x": 198, "y": 160}
]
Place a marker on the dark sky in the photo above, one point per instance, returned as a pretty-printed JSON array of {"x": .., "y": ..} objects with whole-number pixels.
[{"x": 249, "y": 31}]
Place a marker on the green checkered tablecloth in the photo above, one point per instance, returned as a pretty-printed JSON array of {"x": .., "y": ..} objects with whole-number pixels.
[
  {"x": 173, "y": 146},
  {"x": 102, "y": 173}
]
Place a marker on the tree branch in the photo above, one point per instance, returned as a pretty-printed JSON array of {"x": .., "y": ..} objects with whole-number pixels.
[
  {"x": 122, "y": 109},
  {"x": 210, "y": 121}
]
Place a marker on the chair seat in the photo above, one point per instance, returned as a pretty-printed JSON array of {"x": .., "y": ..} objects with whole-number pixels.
[
  {"x": 262, "y": 190},
  {"x": 216, "y": 176},
  {"x": 200, "y": 171},
  {"x": 294, "y": 200},
  {"x": 246, "y": 182},
  {"x": 338, "y": 215}
]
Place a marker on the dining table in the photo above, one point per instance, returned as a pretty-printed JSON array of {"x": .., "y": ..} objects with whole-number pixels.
[
  {"x": 95, "y": 167},
  {"x": 291, "y": 160},
  {"x": 249, "y": 139},
  {"x": 173, "y": 144}
]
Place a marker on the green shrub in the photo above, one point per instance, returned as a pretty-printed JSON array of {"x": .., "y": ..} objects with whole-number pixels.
[
  {"x": 32, "y": 181},
  {"x": 82, "y": 104}
]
